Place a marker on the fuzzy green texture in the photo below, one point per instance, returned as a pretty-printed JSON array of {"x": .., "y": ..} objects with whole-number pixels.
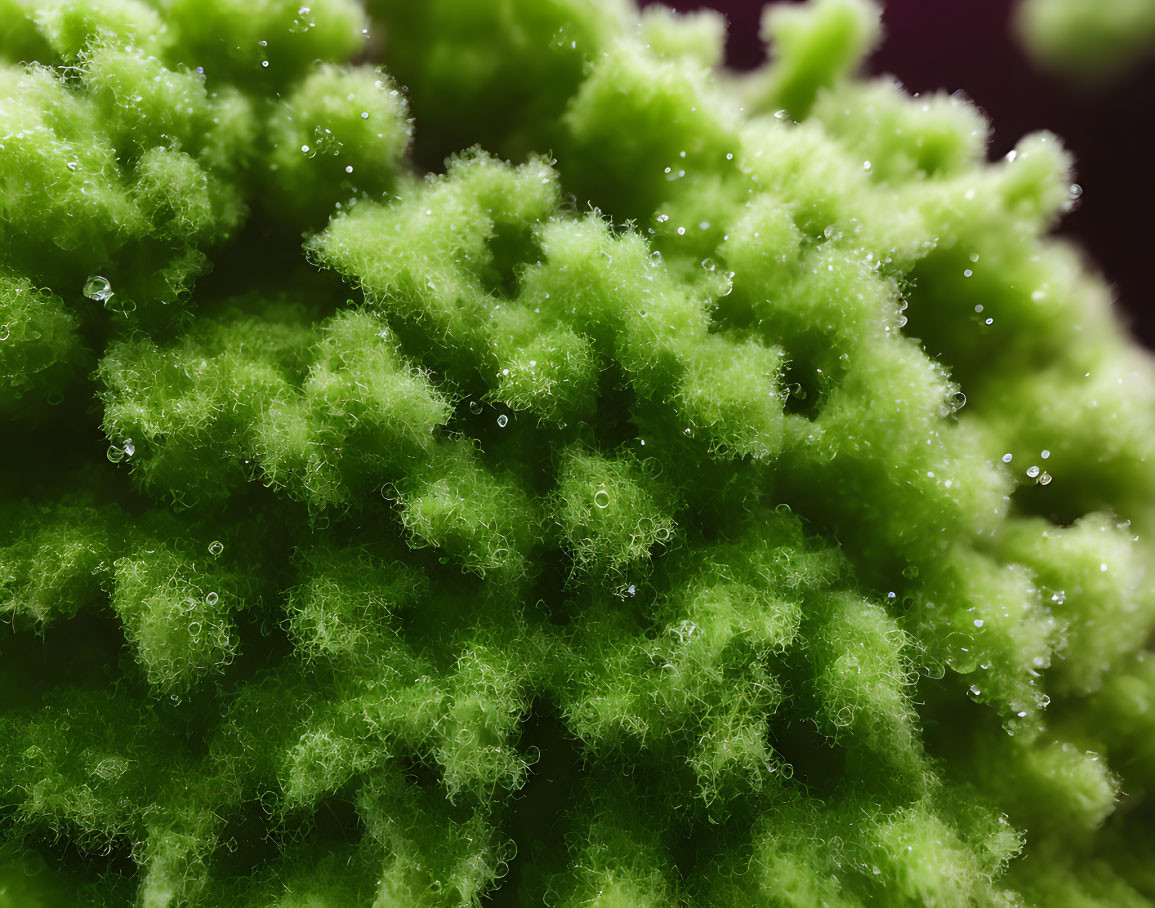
[{"x": 546, "y": 468}]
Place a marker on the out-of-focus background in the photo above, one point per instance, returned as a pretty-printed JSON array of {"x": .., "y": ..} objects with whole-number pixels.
[{"x": 970, "y": 45}]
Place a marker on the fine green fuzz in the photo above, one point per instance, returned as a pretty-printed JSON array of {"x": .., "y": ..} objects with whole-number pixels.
[{"x": 545, "y": 468}]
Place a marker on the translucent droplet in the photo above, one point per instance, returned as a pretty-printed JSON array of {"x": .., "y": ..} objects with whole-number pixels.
[
  {"x": 129, "y": 447},
  {"x": 979, "y": 622},
  {"x": 212, "y": 598},
  {"x": 1007, "y": 458},
  {"x": 1045, "y": 454},
  {"x": 1032, "y": 471},
  {"x": 1044, "y": 478},
  {"x": 687, "y": 432},
  {"x": 602, "y": 498},
  {"x": 5, "y": 332},
  {"x": 967, "y": 273},
  {"x": 475, "y": 407},
  {"x": 1075, "y": 192},
  {"x": 502, "y": 421},
  {"x": 216, "y": 547},
  {"x": 631, "y": 590},
  {"x": 98, "y": 288},
  {"x": 958, "y": 401}
]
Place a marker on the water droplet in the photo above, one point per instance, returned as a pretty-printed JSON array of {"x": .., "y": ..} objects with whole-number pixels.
[
  {"x": 216, "y": 547},
  {"x": 5, "y": 332},
  {"x": 967, "y": 273},
  {"x": 866, "y": 165},
  {"x": 1044, "y": 478},
  {"x": 1007, "y": 458},
  {"x": 212, "y": 598},
  {"x": 602, "y": 498},
  {"x": 348, "y": 168},
  {"x": 1032, "y": 471},
  {"x": 305, "y": 148},
  {"x": 475, "y": 407},
  {"x": 98, "y": 288},
  {"x": 958, "y": 401},
  {"x": 364, "y": 115},
  {"x": 781, "y": 114},
  {"x": 502, "y": 421},
  {"x": 129, "y": 447},
  {"x": 681, "y": 231},
  {"x": 1045, "y": 454},
  {"x": 979, "y": 622},
  {"x": 631, "y": 590},
  {"x": 975, "y": 691},
  {"x": 1075, "y": 192}
]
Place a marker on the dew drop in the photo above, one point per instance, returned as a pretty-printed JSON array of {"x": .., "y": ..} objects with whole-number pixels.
[
  {"x": 216, "y": 547},
  {"x": 1044, "y": 478},
  {"x": 1032, "y": 471},
  {"x": 1045, "y": 454},
  {"x": 502, "y": 421},
  {"x": 212, "y": 598},
  {"x": 98, "y": 288},
  {"x": 602, "y": 498},
  {"x": 958, "y": 401},
  {"x": 5, "y": 332},
  {"x": 1007, "y": 458},
  {"x": 979, "y": 622},
  {"x": 475, "y": 407},
  {"x": 129, "y": 447}
]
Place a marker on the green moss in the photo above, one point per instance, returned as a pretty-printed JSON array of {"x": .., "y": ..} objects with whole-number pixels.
[{"x": 703, "y": 489}]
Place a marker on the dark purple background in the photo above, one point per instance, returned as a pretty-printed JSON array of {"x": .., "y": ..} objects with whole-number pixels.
[{"x": 969, "y": 45}]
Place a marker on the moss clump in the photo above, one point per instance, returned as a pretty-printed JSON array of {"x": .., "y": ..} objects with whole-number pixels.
[{"x": 548, "y": 469}]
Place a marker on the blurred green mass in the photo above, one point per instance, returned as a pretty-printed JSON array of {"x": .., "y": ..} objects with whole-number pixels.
[
  {"x": 1086, "y": 40},
  {"x": 552, "y": 469}
]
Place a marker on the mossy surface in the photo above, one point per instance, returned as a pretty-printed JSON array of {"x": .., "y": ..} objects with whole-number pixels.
[{"x": 546, "y": 468}]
